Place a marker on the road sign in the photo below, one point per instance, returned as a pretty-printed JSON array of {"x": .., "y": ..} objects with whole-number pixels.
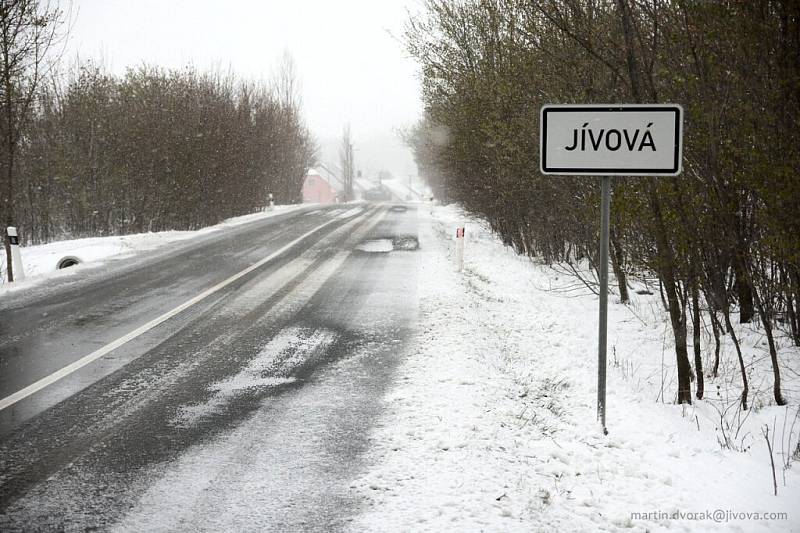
[
  {"x": 627, "y": 140},
  {"x": 610, "y": 140}
]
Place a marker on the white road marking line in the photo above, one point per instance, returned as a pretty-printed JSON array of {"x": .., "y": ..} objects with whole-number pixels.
[{"x": 8, "y": 401}]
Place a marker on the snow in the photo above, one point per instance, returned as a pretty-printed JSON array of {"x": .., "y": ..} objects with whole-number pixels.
[
  {"x": 401, "y": 190},
  {"x": 269, "y": 368},
  {"x": 376, "y": 245},
  {"x": 492, "y": 422},
  {"x": 41, "y": 261}
]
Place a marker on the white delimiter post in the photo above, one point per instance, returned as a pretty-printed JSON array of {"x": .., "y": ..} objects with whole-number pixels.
[
  {"x": 16, "y": 257},
  {"x": 460, "y": 248}
]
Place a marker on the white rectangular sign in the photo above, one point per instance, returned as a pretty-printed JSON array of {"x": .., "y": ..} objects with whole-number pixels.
[{"x": 626, "y": 140}]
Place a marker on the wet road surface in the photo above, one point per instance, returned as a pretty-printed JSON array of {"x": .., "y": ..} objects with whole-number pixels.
[{"x": 248, "y": 410}]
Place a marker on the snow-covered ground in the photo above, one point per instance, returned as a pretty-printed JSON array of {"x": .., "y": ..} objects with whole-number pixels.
[
  {"x": 41, "y": 261},
  {"x": 400, "y": 189},
  {"x": 492, "y": 423}
]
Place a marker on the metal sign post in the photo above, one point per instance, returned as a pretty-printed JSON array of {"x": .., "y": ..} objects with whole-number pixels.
[
  {"x": 610, "y": 140},
  {"x": 605, "y": 215}
]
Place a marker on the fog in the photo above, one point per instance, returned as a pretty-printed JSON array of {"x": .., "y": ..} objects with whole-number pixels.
[{"x": 349, "y": 56}]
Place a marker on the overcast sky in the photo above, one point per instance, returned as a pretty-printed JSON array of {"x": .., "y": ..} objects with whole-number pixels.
[{"x": 352, "y": 65}]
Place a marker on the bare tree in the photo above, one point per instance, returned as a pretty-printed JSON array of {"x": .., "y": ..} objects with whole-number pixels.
[
  {"x": 725, "y": 231},
  {"x": 28, "y": 31},
  {"x": 286, "y": 82},
  {"x": 154, "y": 150}
]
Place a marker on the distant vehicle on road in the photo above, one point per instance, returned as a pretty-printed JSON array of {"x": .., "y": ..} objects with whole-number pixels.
[{"x": 377, "y": 194}]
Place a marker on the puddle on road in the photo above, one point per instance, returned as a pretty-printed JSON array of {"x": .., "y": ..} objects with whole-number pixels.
[
  {"x": 403, "y": 243},
  {"x": 376, "y": 246}
]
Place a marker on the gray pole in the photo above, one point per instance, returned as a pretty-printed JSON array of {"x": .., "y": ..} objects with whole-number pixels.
[
  {"x": 605, "y": 208},
  {"x": 352, "y": 174}
]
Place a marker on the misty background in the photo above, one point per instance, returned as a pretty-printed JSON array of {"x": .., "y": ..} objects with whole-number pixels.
[{"x": 349, "y": 58}]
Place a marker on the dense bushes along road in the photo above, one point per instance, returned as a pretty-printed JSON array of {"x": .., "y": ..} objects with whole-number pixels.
[
  {"x": 723, "y": 237},
  {"x": 155, "y": 150}
]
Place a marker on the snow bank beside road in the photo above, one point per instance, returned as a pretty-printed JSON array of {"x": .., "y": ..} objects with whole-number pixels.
[
  {"x": 41, "y": 261},
  {"x": 491, "y": 425}
]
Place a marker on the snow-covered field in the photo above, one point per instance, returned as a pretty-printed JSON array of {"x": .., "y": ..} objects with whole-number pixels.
[
  {"x": 41, "y": 261},
  {"x": 492, "y": 423}
]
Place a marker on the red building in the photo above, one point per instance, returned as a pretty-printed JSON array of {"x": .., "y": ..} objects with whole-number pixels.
[{"x": 321, "y": 186}]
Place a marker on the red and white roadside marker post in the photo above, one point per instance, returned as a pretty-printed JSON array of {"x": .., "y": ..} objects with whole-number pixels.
[
  {"x": 460, "y": 249},
  {"x": 16, "y": 256},
  {"x": 610, "y": 140}
]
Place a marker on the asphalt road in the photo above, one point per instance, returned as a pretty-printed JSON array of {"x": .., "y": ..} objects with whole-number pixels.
[{"x": 248, "y": 409}]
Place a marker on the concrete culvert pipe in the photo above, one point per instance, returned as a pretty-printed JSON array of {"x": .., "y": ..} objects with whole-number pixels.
[{"x": 68, "y": 261}]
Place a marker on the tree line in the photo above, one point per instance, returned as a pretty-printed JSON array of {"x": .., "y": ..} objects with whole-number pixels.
[
  {"x": 84, "y": 152},
  {"x": 155, "y": 150},
  {"x": 723, "y": 238}
]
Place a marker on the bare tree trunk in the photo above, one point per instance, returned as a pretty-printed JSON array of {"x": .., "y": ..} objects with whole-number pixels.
[
  {"x": 27, "y": 31},
  {"x": 8, "y": 199},
  {"x": 744, "y": 294},
  {"x": 773, "y": 353},
  {"x": 10, "y": 141},
  {"x": 630, "y": 50},
  {"x": 661, "y": 294},
  {"x": 791, "y": 316},
  {"x": 617, "y": 262},
  {"x": 745, "y": 389},
  {"x": 793, "y": 302},
  {"x": 698, "y": 357},
  {"x": 666, "y": 266},
  {"x": 715, "y": 327},
  {"x": 677, "y": 315}
]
